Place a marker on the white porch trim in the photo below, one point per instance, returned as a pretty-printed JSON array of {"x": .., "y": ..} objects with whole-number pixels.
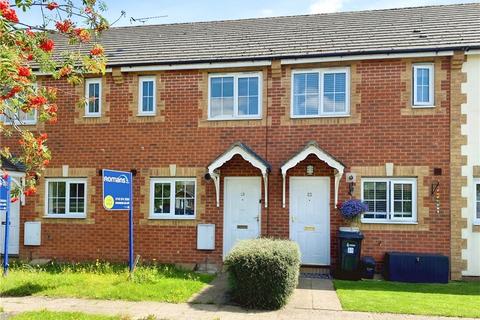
[
  {"x": 247, "y": 154},
  {"x": 312, "y": 148}
]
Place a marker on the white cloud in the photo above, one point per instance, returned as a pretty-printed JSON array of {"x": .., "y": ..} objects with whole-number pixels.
[
  {"x": 266, "y": 13},
  {"x": 326, "y": 6}
]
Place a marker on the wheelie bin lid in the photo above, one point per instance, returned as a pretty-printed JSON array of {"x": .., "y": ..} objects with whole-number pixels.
[{"x": 350, "y": 235}]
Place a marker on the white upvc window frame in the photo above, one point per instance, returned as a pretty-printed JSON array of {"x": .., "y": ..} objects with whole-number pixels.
[
  {"x": 141, "y": 80},
  {"x": 18, "y": 122},
  {"x": 89, "y": 81},
  {"x": 171, "y": 215},
  {"x": 236, "y": 76},
  {"x": 321, "y": 72},
  {"x": 476, "y": 203},
  {"x": 391, "y": 219},
  {"x": 30, "y": 122},
  {"x": 67, "y": 214},
  {"x": 431, "y": 85}
]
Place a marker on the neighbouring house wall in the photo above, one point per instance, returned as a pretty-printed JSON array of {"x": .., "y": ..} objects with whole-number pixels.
[
  {"x": 471, "y": 169},
  {"x": 383, "y": 128}
]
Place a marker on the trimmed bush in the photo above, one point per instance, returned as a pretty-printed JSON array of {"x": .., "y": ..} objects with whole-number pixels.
[{"x": 263, "y": 272}]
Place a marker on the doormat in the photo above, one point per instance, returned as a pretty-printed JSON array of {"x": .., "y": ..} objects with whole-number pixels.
[{"x": 315, "y": 275}]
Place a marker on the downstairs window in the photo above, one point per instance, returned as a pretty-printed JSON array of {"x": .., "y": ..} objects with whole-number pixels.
[{"x": 390, "y": 200}]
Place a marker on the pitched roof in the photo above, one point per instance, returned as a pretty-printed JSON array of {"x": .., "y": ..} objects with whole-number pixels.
[{"x": 428, "y": 28}]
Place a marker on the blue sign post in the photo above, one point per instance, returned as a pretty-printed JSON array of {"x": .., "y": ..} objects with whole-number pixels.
[
  {"x": 118, "y": 195},
  {"x": 5, "y": 206}
]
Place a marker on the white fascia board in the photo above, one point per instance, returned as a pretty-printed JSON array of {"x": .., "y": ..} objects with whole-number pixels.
[
  {"x": 39, "y": 73},
  {"x": 476, "y": 51},
  {"x": 368, "y": 57},
  {"x": 196, "y": 66}
]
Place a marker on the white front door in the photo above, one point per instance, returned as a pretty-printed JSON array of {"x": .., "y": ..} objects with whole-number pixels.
[
  {"x": 310, "y": 218},
  {"x": 14, "y": 230},
  {"x": 242, "y": 210}
]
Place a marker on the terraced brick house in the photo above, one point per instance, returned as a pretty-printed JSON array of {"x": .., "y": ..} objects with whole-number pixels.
[{"x": 246, "y": 128}]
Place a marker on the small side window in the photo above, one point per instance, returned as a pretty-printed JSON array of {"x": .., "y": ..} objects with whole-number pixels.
[
  {"x": 146, "y": 96},
  {"x": 423, "y": 85},
  {"x": 93, "y": 97},
  {"x": 476, "y": 218}
]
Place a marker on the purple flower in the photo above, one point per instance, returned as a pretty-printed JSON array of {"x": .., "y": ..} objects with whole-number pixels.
[{"x": 352, "y": 208}]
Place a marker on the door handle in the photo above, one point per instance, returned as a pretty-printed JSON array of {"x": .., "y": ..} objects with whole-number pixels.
[
  {"x": 293, "y": 219},
  {"x": 257, "y": 218}
]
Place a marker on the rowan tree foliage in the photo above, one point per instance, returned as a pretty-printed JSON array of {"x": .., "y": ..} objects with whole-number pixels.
[{"x": 27, "y": 50}]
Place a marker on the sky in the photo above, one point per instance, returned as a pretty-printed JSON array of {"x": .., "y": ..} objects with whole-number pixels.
[{"x": 172, "y": 11}]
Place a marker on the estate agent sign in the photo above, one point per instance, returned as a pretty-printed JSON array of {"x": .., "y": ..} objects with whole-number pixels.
[{"x": 118, "y": 195}]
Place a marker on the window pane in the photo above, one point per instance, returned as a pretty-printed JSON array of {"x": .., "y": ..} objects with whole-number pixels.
[
  {"x": 253, "y": 106},
  {"x": 478, "y": 201},
  {"x": 311, "y": 104},
  {"x": 161, "y": 201},
  {"x": 375, "y": 196},
  {"x": 328, "y": 102},
  {"x": 93, "y": 97},
  {"x": 299, "y": 106},
  {"x": 381, "y": 190},
  {"x": 215, "y": 107},
  {"x": 227, "y": 87},
  {"x": 179, "y": 189},
  {"x": 334, "y": 92},
  {"x": 248, "y": 96},
  {"x": 216, "y": 87},
  {"x": 243, "y": 87},
  {"x": 147, "y": 95},
  {"x": 402, "y": 194},
  {"x": 227, "y": 109},
  {"x": 77, "y": 198},
  {"x": 56, "y": 197},
  {"x": 184, "y": 198},
  {"x": 369, "y": 190},
  {"x": 299, "y": 83}
]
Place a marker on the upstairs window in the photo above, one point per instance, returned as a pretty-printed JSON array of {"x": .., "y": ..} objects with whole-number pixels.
[
  {"x": 21, "y": 118},
  {"x": 234, "y": 96},
  {"x": 172, "y": 198},
  {"x": 423, "y": 85},
  {"x": 93, "y": 96},
  {"x": 390, "y": 200},
  {"x": 146, "y": 96},
  {"x": 66, "y": 198},
  {"x": 320, "y": 92}
]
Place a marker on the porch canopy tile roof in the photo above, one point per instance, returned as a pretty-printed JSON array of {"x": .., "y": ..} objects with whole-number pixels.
[
  {"x": 312, "y": 148},
  {"x": 9, "y": 165},
  {"x": 241, "y": 149},
  {"x": 416, "y": 29}
]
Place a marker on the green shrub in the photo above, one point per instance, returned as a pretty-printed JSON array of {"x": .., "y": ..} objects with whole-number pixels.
[{"x": 263, "y": 272}]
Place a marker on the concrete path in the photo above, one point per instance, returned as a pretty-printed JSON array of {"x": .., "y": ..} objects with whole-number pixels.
[
  {"x": 315, "y": 294},
  {"x": 185, "y": 311}
]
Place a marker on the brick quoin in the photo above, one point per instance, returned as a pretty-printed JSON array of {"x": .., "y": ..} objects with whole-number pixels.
[{"x": 382, "y": 135}]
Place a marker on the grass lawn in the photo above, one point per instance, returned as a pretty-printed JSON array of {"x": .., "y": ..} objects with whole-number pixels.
[
  {"x": 460, "y": 299},
  {"x": 103, "y": 281},
  {"x": 48, "y": 315}
]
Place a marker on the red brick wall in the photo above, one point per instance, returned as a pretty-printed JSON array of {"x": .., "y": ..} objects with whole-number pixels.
[{"x": 383, "y": 135}]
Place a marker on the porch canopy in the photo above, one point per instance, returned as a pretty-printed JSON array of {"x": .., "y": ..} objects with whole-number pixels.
[
  {"x": 313, "y": 148},
  {"x": 246, "y": 153}
]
